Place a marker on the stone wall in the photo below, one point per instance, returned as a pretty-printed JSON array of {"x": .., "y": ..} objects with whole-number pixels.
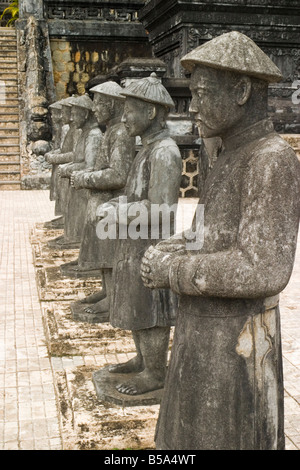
[
  {"x": 176, "y": 27},
  {"x": 76, "y": 62}
]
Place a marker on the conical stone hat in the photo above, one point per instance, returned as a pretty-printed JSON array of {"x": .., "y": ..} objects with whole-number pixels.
[
  {"x": 56, "y": 105},
  {"x": 149, "y": 89},
  {"x": 66, "y": 101},
  {"x": 109, "y": 89},
  {"x": 83, "y": 101},
  {"x": 235, "y": 52},
  {"x": 63, "y": 102}
]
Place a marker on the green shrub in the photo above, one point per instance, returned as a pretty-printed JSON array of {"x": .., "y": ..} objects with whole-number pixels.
[{"x": 13, "y": 11}]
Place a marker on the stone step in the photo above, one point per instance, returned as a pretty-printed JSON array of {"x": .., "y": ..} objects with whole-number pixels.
[
  {"x": 9, "y": 132},
  {"x": 9, "y": 116},
  {"x": 9, "y": 113},
  {"x": 9, "y": 126},
  {"x": 5, "y": 46},
  {"x": 6, "y": 31},
  {"x": 8, "y": 40},
  {"x": 8, "y": 55},
  {"x": 8, "y": 37},
  {"x": 8, "y": 43},
  {"x": 10, "y": 87},
  {"x": 9, "y": 176},
  {"x": 9, "y": 65},
  {"x": 8, "y": 150},
  {"x": 8, "y": 62},
  {"x": 9, "y": 140},
  {"x": 9, "y": 95},
  {"x": 6, "y": 159},
  {"x": 10, "y": 185},
  {"x": 9, "y": 76},
  {"x": 5, "y": 120},
  {"x": 10, "y": 167},
  {"x": 5, "y": 37},
  {"x": 10, "y": 103}
]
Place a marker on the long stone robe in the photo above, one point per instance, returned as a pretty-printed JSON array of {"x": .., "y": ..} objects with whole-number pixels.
[
  {"x": 65, "y": 155},
  {"x": 106, "y": 181},
  {"x": 154, "y": 178},
  {"x": 58, "y": 135},
  {"x": 224, "y": 389},
  {"x": 85, "y": 155}
]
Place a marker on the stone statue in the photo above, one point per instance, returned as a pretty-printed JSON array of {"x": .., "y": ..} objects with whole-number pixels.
[
  {"x": 154, "y": 180},
  {"x": 56, "y": 121},
  {"x": 60, "y": 117},
  {"x": 85, "y": 154},
  {"x": 105, "y": 181},
  {"x": 224, "y": 389},
  {"x": 65, "y": 154}
]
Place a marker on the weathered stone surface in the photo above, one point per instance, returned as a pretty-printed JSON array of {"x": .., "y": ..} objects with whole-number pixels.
[
  {"x": 51, "y": 284},
  {"x": 176, "y": 28},
  {"x": 105, "y": 180},
  {"x": 88, "y": 423},
  {"x": 132, "y": 307},
  {"x": 36, "y": 91},
  {"x": 224, "y": 388},
  {"x": 84, "y": 157},
  {"x": 67, "y": 337}
]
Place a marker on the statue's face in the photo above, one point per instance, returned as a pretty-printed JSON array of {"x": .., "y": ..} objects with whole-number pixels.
[
  {"x": 78, "y": 116},
  {"x": 136, "y": 116},
  {"x": 65, "y": 114},
  {"x": 214, "y": 102},
  {"x": 102, "y": 108}
]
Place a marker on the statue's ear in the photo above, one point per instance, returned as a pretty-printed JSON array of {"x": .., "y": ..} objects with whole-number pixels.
[
  {"x": 152, "y": 112},
  {"x": 243, "y": 88}
]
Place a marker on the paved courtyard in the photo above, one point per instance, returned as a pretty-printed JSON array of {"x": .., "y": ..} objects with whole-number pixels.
[{"x": 29, "y": 409}]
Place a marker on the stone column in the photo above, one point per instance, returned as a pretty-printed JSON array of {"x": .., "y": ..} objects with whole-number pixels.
[{"x": 36, "y": 92}]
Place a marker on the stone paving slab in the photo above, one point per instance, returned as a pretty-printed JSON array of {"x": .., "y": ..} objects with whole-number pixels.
[
  {"x": 88, "y": 423},
  {"x": 49, "y": 402},
  {"x": 66, "y": 337}
]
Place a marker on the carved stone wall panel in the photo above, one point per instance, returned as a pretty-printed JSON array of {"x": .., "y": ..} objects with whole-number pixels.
[{"x": 175, "y": 28}]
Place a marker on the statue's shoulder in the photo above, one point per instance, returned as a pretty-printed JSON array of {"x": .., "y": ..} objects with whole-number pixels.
[
  {"x": 167, "y": 146},
  {"x": 95, "y": 132},
  {"x": 274, "y": 163},
  {"x": 274, "y": 150}
]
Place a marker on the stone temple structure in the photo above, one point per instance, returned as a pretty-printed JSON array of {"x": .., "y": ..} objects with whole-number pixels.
[{"x": 65, "y": 47}]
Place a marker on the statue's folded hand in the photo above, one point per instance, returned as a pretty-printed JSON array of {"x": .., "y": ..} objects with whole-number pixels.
[{"x": 155, "y": 267}]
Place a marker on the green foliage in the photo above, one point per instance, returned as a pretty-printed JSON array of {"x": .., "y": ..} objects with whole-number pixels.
[{"x": 13, "y": 11}]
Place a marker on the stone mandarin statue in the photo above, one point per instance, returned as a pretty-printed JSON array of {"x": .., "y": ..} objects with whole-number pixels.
[
  {"x": 154, "y": 179},
  {"x": 85, "y": 154},
  {"x": 104, "y": 181},
  {"x": 56, "y": 121},
  {"x": 60, "y": 116},
  {"x": 65, "y": 155},
  {"x": 224, "y": 388}
]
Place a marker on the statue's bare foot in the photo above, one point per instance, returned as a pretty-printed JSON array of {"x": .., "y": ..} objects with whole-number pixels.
[
  {"x": 93, "y": 298},
  {"x": 99, "y": 307},
  {"x": 133, "y": 365},
  {"x": 141, "y": 383}
]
